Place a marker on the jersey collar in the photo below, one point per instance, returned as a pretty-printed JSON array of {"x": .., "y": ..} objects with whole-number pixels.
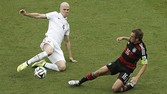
[{"x": 62, "y": 16}]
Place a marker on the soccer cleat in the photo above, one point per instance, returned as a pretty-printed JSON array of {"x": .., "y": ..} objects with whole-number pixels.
[
  {"x": 129, "y": 86},
  {"x": 22, "y": 66},
  {"x": 132, "y": 83},
  {"x": 73, "y": 82},
  {"x": 39, "y": 64}
]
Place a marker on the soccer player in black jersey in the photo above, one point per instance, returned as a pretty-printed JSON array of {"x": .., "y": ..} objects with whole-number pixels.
[{"x": 124, "y": 65}]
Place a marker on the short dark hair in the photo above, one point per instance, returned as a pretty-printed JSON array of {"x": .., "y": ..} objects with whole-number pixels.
[{"x": 138, "y": 33}]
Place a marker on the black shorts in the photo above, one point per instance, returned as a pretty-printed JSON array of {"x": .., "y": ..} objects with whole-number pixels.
[{"x": 118, "y": 67}]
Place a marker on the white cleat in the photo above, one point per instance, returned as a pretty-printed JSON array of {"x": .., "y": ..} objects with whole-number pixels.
[
  {"x": 132, "y": 83},
  {"x": 73, "y": 82}
]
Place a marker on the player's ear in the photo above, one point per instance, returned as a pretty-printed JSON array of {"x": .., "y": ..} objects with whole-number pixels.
[{"x": 137, "y": 40}]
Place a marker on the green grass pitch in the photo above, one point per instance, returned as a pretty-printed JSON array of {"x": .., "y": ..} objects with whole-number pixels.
[{"x": 95, "y": 25}]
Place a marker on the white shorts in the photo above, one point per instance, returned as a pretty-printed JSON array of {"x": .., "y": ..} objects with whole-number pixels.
[{"x": 57, "y": 55}]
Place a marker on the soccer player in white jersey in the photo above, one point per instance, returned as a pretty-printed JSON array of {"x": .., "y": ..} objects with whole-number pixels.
[{"x": 58, "y": 29}]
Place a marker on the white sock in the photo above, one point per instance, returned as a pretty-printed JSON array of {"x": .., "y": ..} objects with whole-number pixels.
[
  {"x": 52, "y": 66},
  {"x": 38, "y": 57}
]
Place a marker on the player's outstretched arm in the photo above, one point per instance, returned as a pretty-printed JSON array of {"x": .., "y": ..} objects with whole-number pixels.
[
  {"x": 122, "y": 38},
  {"x": 33, "y": 15}
]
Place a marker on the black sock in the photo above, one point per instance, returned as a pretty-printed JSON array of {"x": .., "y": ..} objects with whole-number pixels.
[
  {"x": 84, "y": 79},
  {"x": 128, "y": 87},
  {"x": 89, "y": 76}
]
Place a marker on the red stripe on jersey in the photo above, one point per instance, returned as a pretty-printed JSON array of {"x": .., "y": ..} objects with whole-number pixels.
[
  {"x": 138, "y": 47},
  {"x": 131, "y": 54},
  {"x": 129, "y": 65}
]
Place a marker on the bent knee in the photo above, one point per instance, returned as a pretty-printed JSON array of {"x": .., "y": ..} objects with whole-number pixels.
[
  {"x": 114, "y": 89},
  {"x": 61, "y": 65},
  {"x": 62, "y": 68},
  {"x": 49, "y": 52}
]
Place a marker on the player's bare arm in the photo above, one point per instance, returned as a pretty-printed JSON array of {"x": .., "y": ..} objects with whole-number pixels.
[
  {"x": 141, "y": 71},
  {"x": 33, "y": 15},
  {"x": 68, "y": 46},
  {"x": 123, "y": 38}
]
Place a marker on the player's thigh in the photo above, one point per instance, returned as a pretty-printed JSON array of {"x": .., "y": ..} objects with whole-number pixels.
[
  {"x": 47, "y": 45},
  {"x": 122, "y": 80},
  {"x": 57, "y": 56},
  {"x": 124, "y": 76},
  {"x": 59, "y": 60},
  {"x": 117, "y": 85},
  {"x": 48, "y": 48},
  {"x": 102, "y": 71}
]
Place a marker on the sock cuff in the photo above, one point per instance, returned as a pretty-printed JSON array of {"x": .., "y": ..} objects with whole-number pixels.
[{"x": 90, "y": 76}]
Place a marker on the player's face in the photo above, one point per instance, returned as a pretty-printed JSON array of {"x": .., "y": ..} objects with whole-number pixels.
[
  {"x": 132, "y": 38},
  {"x": 64, "y": 10}
]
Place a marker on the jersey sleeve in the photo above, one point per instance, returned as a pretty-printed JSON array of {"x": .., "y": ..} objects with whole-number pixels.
[
  {"x": 51, "y": 15},
  {"x": 68, "y": 30},
  {"x": 143, "y": 54},
  {"x": 144, "y": 60}
]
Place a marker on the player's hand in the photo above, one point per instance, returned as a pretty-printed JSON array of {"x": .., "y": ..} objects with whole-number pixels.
[
  {"x": 134, "y": 80},
  {"x": 22, "y": 11},
  {"x": 72, "y": 60},
  {"x": 119, "y": 39}
]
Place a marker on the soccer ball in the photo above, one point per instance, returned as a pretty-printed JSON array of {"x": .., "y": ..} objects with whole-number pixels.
[{"x": 40, "y": 72}]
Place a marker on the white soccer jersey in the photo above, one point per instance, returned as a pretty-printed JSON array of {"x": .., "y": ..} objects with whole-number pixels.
[{"x": 58, "y": 27}]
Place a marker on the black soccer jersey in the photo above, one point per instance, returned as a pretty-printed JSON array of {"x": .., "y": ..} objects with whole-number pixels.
[{"x": 132, "y": 53}]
